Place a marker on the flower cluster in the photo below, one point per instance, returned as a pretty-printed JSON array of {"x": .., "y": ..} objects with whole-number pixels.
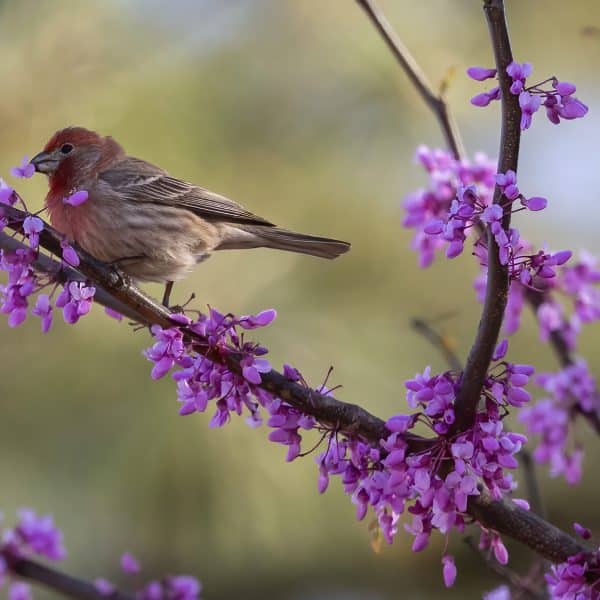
[
  {"x": 437, "y": 213},
  {"x": 558, "y": 100},
  {"x": 33, "y": 535},
  {"x": 570, "y": 390},
  {"x": 578, "y": 284},
  {"x": 36, "y": 536},
  {"x": 434, "y": 482},
  {"x": 578, "y": 577},
  {"x": 208, "y": 376},
  {"x": 23, "y": 282},
  {"x": 459, "y": 198},
  {"x": 172, "y": 587},
  {"x": 534, "y": 270}
]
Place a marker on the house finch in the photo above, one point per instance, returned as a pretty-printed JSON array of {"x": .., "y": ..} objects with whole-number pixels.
[{"x": 153, "y": 226}]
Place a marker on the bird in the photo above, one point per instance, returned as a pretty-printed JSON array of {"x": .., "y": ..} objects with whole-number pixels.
[{"x": 149, "y": 224}]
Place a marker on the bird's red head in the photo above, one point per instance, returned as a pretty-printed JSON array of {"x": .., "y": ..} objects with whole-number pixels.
[{"x": 74, "y": 155}]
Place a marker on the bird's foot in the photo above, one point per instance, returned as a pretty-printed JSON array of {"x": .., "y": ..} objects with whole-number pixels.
[{"x": 181, "y": 308}]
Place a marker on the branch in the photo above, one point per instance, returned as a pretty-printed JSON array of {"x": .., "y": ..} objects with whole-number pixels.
[
  {"x": 496, "y": 294},
  {"x": 147, "y": 311},
  {"x": 61, "y": 582},
  {"x": 439, "y": 342},
  {"x": 524, "y": 526},
  {"x": 435, "y": 102},
  {"x": 531, "y": 483},
  {"x": 497, "y": 285},
  {"x": 503, "y": 517},
  {"x": 442, "y": 112}
]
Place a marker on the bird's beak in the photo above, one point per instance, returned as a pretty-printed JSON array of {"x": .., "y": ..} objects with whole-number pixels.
[{"x": 45, "y": 162}]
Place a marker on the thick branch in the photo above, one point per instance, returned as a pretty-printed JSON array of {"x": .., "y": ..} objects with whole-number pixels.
[
  {"x": 143, "y": 309},
  {"x": 61, "y": 582},
  {"x": 496, "y": 294},
  {"x": 451, "y": 134},
  {"x": 524, "y": 526},
  {"x": 434, "y": 101},
  {"x": 503, "y": 517}
]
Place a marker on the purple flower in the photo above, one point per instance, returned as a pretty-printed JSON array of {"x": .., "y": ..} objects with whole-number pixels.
[
  {"x": 38, "y": 535},
  {"x": 43, "y": 309},
  {"x": 68, "y": 253},
  {"x": 76, "y": 301},
  {"x": 529, "y": 104},
  {"x": 568, "y": 581},
  {"x": 20, "y": 285},
  {"x": 582, "y": 531},
  {"x": 104, "y": 587},
  {"x": 507, "y": 182},
  {"x": 175, "y": 587},
  {"x": 168, "y": 349},
  {"x": 152, "y": 591},
  {"x": 76, "y": 198},
  {"x": 550, "y": 423},
  {"x": 182, "y": 587},
  {"x": 483, "y": 99},
  {"x": 262, "y": 319},
  {"x": 481, "y": 73},
  {"x": 19, "y": 591},
  {"x": 449, "y": 570},
  {"x": 253, "y": 367},
  {"x": 7, "y": 194},
  {"x": 130, "y": 564},
  {"x": 535, "y": 203},
  {"x": 500, "y": 593},
  {"x": 32, "y": 226},
  {"x": 501, "y": 350},
  {"x": 559, "y": 101},
  {"x": 25, "y": 170},
  {"x": 519, "y": 71},
  {"x": 572, "y": 108},
  {"x": 113, "y": 314}
]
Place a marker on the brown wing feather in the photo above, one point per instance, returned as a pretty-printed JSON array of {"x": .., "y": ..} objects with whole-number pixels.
[{"x": 140, "y": 181}]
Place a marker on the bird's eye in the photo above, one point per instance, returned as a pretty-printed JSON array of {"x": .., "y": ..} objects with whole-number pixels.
[{"x": 66, "y": 148}]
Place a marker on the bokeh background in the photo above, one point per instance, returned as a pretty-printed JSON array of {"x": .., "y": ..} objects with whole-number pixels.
[{"x": 295, "y": 108}]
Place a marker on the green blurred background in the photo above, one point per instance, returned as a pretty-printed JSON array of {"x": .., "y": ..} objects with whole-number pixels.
[{"x": 296, "y": 109}]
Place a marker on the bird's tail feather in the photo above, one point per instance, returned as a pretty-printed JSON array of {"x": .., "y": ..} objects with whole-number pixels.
[{"x": 290, "y": 241}]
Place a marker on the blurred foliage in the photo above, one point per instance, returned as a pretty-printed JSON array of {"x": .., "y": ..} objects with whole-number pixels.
[{"x": 296, "y": 109}]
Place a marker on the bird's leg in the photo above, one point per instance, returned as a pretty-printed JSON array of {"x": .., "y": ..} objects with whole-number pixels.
[{"x": 167, "y": 294}]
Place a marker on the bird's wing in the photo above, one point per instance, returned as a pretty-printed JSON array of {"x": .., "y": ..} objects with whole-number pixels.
[{"x": 140, "y": 181}]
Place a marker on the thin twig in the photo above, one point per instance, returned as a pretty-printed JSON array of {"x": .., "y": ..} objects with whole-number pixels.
[
  {"x": 531, "y": 483},
  {"x": 438, "y": 341},
  {"x": 61, "y": 582},
  {"x": 435, "y": 102},
  {"x": 514, "y": 579}
]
